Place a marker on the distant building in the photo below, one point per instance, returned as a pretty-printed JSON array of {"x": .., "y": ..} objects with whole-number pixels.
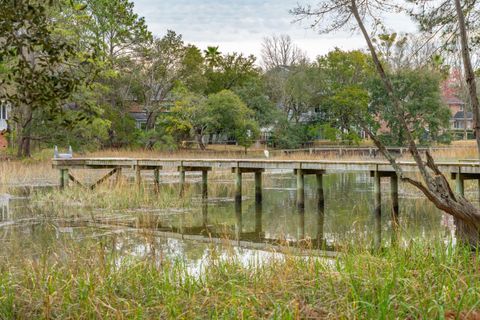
[
  {"x": 139, "y": 114},
  {"x": 451, "y": 90}
]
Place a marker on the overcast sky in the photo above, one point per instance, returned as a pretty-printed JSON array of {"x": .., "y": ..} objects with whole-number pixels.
[{"x": 240, "y": 25}]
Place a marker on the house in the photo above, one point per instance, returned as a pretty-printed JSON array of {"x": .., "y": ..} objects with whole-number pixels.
[
  {"x": 139, "y": 114},
  {"x": 4, "y": 113},
  {"x": 451, "y": 90}
]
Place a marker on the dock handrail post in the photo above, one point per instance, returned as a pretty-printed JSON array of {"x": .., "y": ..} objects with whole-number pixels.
[
  {"x": 300, "y": 189},
  {"x": 204, "y": 184},
  {"x": 64, "y": 178},
  {"x": 377, "y": 211},
  {"x": 258, "y": 186}
]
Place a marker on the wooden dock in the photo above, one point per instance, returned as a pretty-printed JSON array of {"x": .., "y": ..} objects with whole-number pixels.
[{"x": 459, "y": 171}]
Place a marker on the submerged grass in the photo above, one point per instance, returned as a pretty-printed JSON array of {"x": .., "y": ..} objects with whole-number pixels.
[{"x": 88, "y": 281}]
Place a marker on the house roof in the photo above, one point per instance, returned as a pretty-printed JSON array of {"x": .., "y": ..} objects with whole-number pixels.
[
  {"x": 452, "y": 100},
  {"x": 459, "y": 116}
]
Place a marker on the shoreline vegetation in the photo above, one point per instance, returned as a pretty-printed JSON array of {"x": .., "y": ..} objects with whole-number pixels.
[{"x": 88, "y": 281}]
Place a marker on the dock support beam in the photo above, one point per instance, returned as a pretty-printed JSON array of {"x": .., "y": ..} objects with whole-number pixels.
[
  {"x": 258, "y": 187},
  {"x": 64, "y": 178},
  {"x": 300, "y": 189},
  {"x": 377, "y": 210}
]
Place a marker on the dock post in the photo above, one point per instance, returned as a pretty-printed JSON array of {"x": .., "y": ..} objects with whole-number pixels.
[
  {"x": 63, "y": 178},
  {"x": 300, "y": 189},
  {"x": 258, "y": 187},
  {"x": 156, "y": 179},
  {"x": 377, "y": 239},
  {"x": 238, "y": 220},
  {"x": 395, "y": 207},
  {"x": 460, "y": 184},
  {"x": 182, "y": 180},
  {"x": 138, "y": 175},
  {"x": 301, "y": 225},
  {"x": 320, "y": 193},
  {"x": 258, "y": 218},
  {"x": 238, "y": 185},
  {"x": 118, "y": 176},
  {"x": 204, "y": 184}
]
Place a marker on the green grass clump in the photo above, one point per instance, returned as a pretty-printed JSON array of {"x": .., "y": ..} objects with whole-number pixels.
[{"x": 87, "y": 281}]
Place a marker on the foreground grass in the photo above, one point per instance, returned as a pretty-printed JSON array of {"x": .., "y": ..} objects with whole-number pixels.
[{"x": 86, "y": 281}]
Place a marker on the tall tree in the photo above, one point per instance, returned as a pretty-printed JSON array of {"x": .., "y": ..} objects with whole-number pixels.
[
  {"x": 332, "y": 15},
  {"x": 280, "y": 51},
  {"x": 212, "y": 55},
  {"x": 44, "y": 68}
]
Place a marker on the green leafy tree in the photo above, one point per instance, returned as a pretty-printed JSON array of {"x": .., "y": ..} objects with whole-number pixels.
[
  {"x": 221, "y": 113},
  {"x": 232, "y": 70},
  {"x": 425, "y": 113},
  {"x": 44, "y": 68}
]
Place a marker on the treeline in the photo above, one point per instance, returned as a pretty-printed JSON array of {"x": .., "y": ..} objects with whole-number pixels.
[{"x": 73, "y": 70}]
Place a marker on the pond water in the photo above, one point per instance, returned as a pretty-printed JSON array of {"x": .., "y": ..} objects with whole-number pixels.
[{"x": 250, "y": 230}]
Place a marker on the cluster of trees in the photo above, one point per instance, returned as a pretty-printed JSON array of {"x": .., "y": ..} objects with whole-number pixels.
[{"x": 73, "y": 69}]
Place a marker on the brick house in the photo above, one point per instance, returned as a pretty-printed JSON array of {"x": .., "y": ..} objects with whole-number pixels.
[{"x": 451, "y": 90}]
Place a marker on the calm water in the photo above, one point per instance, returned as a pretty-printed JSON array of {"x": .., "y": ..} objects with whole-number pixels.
[{"x": 190, "y": 234}]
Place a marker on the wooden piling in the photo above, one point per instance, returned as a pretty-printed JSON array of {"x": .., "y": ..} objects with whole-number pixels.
[
  {"x": 301, "y": 224},
  {"x": 258, "y": 217},
  {"x": 300, "y": 189},
  {"x": 394, "y": 195},
  {"x": 156, "y": 180},
  {"x": 238, "y": 185},
  {"x": 118, "y": 176},
  {"x": 320, "y": 193},
  {"x": 460, "y": 184},
  {"x": 377, "y": 211},
  {"x": 181, "y": 183},
  {"x": 138, "y": 176},
  {"x": 64, "y": 178},
  {"x": 258, "y": 187}
]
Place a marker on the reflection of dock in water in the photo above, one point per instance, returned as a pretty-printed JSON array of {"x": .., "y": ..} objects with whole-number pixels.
[{"x": 236, "y": 234}]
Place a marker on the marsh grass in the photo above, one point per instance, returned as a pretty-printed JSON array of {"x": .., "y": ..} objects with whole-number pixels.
[{"x": 87, "y": 280}]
